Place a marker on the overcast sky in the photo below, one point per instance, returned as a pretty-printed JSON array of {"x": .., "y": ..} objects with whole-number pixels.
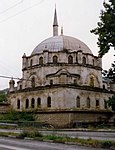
[{"x": 25, "y": 23}]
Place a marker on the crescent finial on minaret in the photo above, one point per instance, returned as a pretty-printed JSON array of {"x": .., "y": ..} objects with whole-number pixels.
[{"x": 62, "y": 30}]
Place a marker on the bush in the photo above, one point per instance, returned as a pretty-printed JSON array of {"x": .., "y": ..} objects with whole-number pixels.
[
  {"x": 18, "y": 116},
  {"x": 111, "y": 102},
  {"x": 30, "y": 134},
  {"x": 106, "y": 144},
  {"x": 51, "y": 137},
  {"x": 58, "y": 139},
  {"x": 3, "y": 97}
]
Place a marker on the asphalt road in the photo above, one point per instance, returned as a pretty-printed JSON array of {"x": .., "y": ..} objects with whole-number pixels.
[
  {"x": 83, "y": 134},
  {"x": 103, "y": 135},
  {"x": 18, "y": 144}
]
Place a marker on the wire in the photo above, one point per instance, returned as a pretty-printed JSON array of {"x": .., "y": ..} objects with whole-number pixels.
[
  {"x": 4, "y": 11},
  {"x": 21, "y": 11},
  {"x": 9, "y": 77},
  {"x": 6, "y": 68}
]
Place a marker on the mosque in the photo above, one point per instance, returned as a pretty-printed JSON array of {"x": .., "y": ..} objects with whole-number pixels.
[{"x": 62, "y": 81}]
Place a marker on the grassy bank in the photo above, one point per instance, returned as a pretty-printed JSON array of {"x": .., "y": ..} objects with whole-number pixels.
[{"x": 36, "y": 135}]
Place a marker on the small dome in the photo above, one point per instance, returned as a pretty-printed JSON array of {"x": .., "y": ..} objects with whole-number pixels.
[{"x": 60, "y": 43}]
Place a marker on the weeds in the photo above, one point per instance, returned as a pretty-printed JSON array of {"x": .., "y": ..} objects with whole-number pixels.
[
  {"x": 35, "y": 134},
  {"x": 30, "y": 134},
  {"x": 106, "y": 144}
]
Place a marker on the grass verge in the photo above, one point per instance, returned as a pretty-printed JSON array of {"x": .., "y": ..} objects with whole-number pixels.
[{"x": 35, "y": 134}]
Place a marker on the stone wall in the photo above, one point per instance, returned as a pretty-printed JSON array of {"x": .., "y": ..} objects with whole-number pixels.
[
  {"x": 55, "y": 119},
  {"x": 62, "y": 97},
  {"x": 72, "y": 119},
  {"x": 4, "y": 107}
]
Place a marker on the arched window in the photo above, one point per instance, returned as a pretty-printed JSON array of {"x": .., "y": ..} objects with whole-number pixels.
[
  {"x": 91, "y": 81},
  {"x": 41, "y": 60},
  {"x": 27, "y": 103},
  {"x": 55, "y": 59},
  {"x": 84, "y": 60},
  {"x": 33, "y": 82},
  {"x": 75, "y": 81},
  {"x": 78, "y": 101},
  {"x": 70, "y": 59},
  {"x": 18, "y": 104},
  {"x": 49, "y": 101},
  {"x": 31, "y": 63},
  {"x": 32, "y": 102},
  {"x": 88, "y": 102},
  {"x": 76, "y": 59},
  {"x": 93, "y": 62},
  {"x": 105, "y": 104},
  {"x": 20, "y": 87},
  {"x": 97, "y": 103},
  {"x": 39, "y": 102},
  {"x": 51, "y": 82},
  {"x": 104, "y": 87}
]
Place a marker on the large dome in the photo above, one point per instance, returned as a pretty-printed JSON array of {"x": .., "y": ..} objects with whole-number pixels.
[{"x": 60, "y": 43}]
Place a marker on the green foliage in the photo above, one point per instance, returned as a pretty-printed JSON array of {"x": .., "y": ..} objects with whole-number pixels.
[
  {"x": 110, "y": 74},
  {"x": 18, "y": 116},
  {"x": 106, "y": 144},
  {"x": 35, "y": 134},
  {"x": 6, "y": 134},
  {"x": 106, "y": 28},
  {"x": 3, "y": 97},
  {"x": 31, "y": 134},
  {"x": 111, "y": 102},
  {"x": 51, "y": 137}
]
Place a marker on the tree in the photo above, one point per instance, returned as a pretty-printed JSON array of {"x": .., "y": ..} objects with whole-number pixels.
[
  {"x": 110, "y": 74},
  {"x": 3, "y": 97},
  {"x": 106, "y": 28},
  {"x": 111, "y": 102}
]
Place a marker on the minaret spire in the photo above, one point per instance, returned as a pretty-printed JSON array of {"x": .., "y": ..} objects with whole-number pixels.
[{"x": 55, "y": 24}]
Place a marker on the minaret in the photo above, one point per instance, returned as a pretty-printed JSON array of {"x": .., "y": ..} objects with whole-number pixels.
[
  {"x": 55, "y": 24},
  {"x": 11, "y": 84}
]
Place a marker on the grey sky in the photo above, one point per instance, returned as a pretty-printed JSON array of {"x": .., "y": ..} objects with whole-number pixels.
[{"x": 25, "y": 23}]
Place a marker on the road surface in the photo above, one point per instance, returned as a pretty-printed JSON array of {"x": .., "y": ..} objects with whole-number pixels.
[
  {"x": 75, "y": 134},
  {"x": 18, "y": 144},
  {"x": 83, "y": 134}
]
